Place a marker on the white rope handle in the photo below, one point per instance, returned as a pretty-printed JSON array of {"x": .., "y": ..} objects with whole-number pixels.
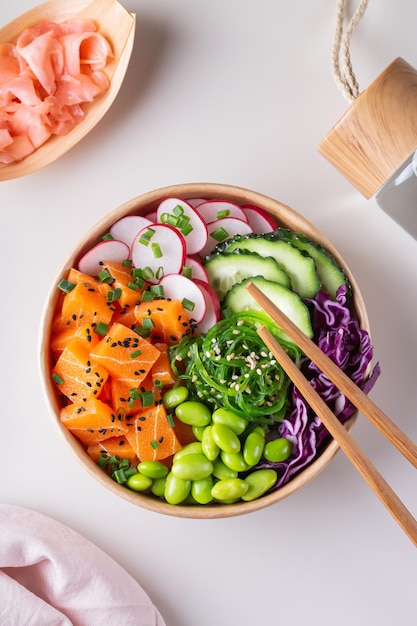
[{"x": 341, "y": 63}]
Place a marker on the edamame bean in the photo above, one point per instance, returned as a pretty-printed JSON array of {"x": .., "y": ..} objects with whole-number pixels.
[
  {"x": 234, "y": 460},
  {"x": 259, "y": 482},
  {"x": 225, "y": 438},
  {"x": 153, "y": 469},
  {"x": 158, "y": 487},
  {"x": 192, "y": 467},
  {"x": 175, "y": 396},
  {"x": 195, "y": 447},
  {"x": 277, "y": 450},
  {"x": 201, "y": 490},
  {"x": 229, "y": 489},
  {"x": 253, "y": 448},
  {"x": 176, "y": 489},
  {"x": 138, "y": 482},
  {"x": 228, "y": 418},
  {"x": 198, "y": 432},
  {"x": 221, "y": 471},
  {"x": 210, "y": 448},
  {"x": 193, "y": 413}
]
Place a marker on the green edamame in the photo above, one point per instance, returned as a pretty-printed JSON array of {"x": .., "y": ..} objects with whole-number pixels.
[
  {"x": 221, "y": 471},
  {"x": 253, "y": 447},
  {"x": 225, "y": 438},
  {"x": 277, "y": 450},
  {"x": 158, "y": 487},
  {"x": 176, "y": 489},
  {"x": 201, "y": 490},
  {"x": 138, "y": 482},
  {"x": 195, "y": 447},
  {"x": 192, "y": 467},
  {"x": 259, "y": 482},
  {"x": 198, "y": 432},
  {"x": 193, "y": 413},
  {"x": 229, "y": 489},
  {"x": 210, "y": 448},
  {"x": 234, "y": 460},
  {"x": 153, "y": 469},
  {"x": 228, "y": 418},
  {"x": 175, "y": 396}
]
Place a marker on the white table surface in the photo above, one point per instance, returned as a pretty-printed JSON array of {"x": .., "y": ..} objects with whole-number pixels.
[{"x": 234, "y": 92}]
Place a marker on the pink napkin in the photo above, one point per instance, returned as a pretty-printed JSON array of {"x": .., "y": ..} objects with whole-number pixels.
[{"x": 52, "y": 576}]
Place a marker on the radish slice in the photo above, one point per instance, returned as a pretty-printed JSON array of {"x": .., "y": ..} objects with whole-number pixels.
[
  {"x": 196, "y": 201},
  {"x": 213, "y": 210},
  {"x": 111, "y": 250},
  {"x": 213, "y": 310},
  {"x": 194, "y": 229},
  {"x": 180, "y": 288},
  {"x": 224, "y": 229},
  {"x": 197, "y": 269},
  {"x": 126, "y": 228},
  {"x": 259, "y": 219},
  {"x": 151, "y": 216},
  {"x": 160, "y": 249}
]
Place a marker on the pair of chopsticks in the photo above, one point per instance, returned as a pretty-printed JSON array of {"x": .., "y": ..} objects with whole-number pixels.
[{"x": 358, "y": 398}]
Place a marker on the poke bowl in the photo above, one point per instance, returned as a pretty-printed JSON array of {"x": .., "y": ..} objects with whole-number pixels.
[{"x": 150, "y": 360}]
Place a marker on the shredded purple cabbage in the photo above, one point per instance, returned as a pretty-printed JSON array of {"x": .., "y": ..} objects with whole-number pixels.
[{"x": 338, "y": 334}]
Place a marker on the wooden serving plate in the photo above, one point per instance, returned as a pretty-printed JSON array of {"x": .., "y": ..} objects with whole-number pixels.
[
  {"x": 140, "y": 205},
  {"x": 118, "y": 26}
]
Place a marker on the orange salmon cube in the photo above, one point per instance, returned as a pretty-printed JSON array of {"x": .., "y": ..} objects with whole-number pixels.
[{"x": 92, "y": 421}]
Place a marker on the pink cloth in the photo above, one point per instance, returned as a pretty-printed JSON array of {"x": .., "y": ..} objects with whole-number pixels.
[{"x": 52, "y": 576}]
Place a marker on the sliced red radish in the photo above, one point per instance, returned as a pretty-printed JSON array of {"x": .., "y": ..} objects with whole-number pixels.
[
  {"x": 213, "y": 210},
  {"x": 160, "y": 249},
  {"x": 110, "y": 250},
  {"x": 184, "y": 217},
  {"x": 223, "y": 229},
  {"x": 151, "y": 215},
  {"x": 126, "y": 228},
  {"x": 180, "y": 288},
  {"x": 196, "y": 201},
  {"x": 260, "y": 220},
  {"x": 197, "y": 269},
  {"x": 213, "y": 310}
]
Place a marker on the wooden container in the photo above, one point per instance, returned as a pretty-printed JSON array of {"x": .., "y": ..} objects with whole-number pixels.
[{"x": 142, "y": 204}]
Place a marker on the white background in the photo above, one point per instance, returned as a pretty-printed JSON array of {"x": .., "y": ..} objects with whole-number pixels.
[{"x": 237, "y": 92}]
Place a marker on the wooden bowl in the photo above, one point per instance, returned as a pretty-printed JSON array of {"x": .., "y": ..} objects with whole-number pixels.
[
  {"x": 140, "y": 205},
  {"x": 118, "y": 26}
]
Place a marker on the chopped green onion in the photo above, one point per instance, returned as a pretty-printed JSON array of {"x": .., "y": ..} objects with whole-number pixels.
[
  {"x": 158, "y": 384},
  {"x": 158, "y": 291},
  {"x": 147, "y": 296},
  {"x": 156, "y": 249},
  {"x": 187, "y": 271},
  {"x": 101, "y": 328},
  {"x": 139, "y": 281},
  {"x": 107, "y": 237},
  {"x": 105, "y": 276},
  {"x": 134, "y": 393},
  {"x": 159, "y": 273},
  {"x": 65, "y": 285},
  {"x": 186, "y": 230},
  {"x": 137, "y": 272},
  {"x": 178, "y": 210},
  {"x": 57, "y": 379},
  {"x": 119, "y": 476},
  {"x": 127, "y": 263},
  {"x": 147, "y": 273},
  {"x": 224, "y": 213},
  {"x": 136, "y": 353},
  {"x": 133, "y": 286},
  {"x": 170, "y": 419},
  {"x": 148, "y": 398},
  {"x": 114, "y": 294},
  {"x": 148, "y": 323},
  {"x": 154, "y": 444},
  {"x": 188, "y": 304},
  {"x": 220, "y": 234},
  {"x": 103, "y": 459},
  {"x": 142, "y": 332},
  {"x": 146, "y": 236}
]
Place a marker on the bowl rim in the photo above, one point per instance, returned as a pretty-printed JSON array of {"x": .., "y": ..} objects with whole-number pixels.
[{"x": 139, "y": 205}]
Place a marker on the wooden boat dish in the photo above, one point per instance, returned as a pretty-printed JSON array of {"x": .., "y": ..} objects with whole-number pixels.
[{"x": 118, "y": 26}]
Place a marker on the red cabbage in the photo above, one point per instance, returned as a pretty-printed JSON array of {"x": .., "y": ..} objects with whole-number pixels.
[{"x": 338, "y": 334}]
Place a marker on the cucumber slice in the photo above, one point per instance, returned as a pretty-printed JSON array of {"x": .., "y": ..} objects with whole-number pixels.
[
  {"x": 300, "y": 268},
  {"x": 239, "y": 299},
  {"x": 331, "y": 275},
  {"x": 226, "y": 270}
]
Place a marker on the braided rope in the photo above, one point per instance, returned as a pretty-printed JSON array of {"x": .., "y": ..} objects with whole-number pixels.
[{"x": 341, "y": 62}]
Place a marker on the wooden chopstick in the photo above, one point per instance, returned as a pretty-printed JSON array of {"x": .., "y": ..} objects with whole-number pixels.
[
  {"x": 358, "y": 398},
  {"x": 365, "y": 467}
]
